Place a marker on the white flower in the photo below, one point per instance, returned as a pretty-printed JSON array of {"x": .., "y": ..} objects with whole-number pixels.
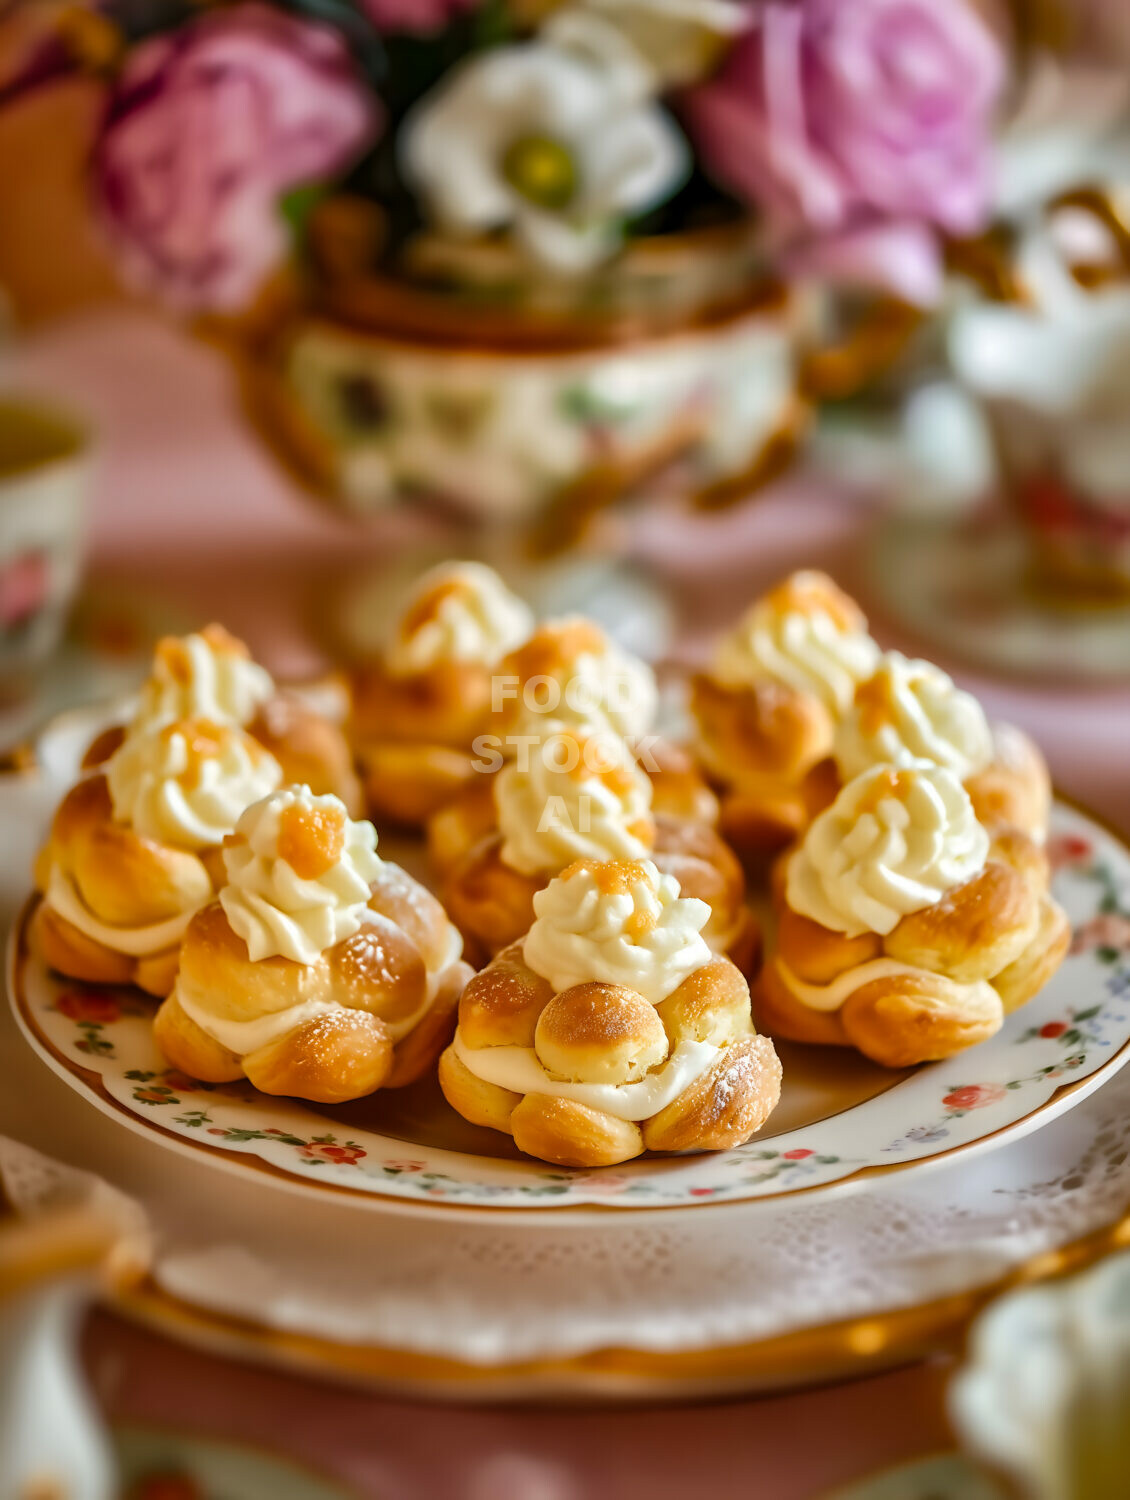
[{"x": 558, "y": 139}]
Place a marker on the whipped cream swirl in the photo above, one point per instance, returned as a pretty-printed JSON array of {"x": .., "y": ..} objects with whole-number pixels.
[
  {"x": 209, "y": 675},
  {"x": 187, "y": 783},
  {"x": 893, "y": 842},
  {"x": 459, "y": 612},
  {"x": 805, "y": 634},
  {"x": 574, "y": 673},
  {"x": 618, "y": 923},
  {"x": 299, "y": 871},
  {"x": 577, "y": 794},
  {"x": 911, "y": 710}
]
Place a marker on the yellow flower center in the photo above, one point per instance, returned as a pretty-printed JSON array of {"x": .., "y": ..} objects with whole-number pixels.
[{"x": 542, "y": 170}]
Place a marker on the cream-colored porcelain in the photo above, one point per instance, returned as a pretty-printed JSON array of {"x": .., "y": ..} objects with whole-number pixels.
[{"x": 1045, "y": 1393}]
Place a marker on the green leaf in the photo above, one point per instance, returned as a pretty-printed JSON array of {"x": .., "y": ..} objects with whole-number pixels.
[
  {"x": 584, "y": 405},
  {"x": 493, "y": 24},
  {"x": 296, "y": 208}
]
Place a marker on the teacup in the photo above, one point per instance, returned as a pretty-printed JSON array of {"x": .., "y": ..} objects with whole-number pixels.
[
  {"x": 1050, "y": 365},
  {"x": 44, "y": 472}
]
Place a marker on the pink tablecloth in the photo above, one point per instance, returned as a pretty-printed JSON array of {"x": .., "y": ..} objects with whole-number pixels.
[
  {"x": 780, "y": 1448},
  {"x": 188, "y": 505}
]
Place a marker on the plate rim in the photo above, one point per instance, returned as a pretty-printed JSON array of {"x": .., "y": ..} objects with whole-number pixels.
[{"x": 88, "y": 1082}]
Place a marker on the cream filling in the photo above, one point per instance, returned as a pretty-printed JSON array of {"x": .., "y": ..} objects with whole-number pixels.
[
  {"x": 136, "y": 942},
  {"x": 519, "y": 1070},
  {"x": 243, "y": 1037},
  {"x": 829, "y": 997}
]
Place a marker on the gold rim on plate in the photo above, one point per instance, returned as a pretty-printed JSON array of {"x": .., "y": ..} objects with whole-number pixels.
[{"x": 805, "y": 1356}]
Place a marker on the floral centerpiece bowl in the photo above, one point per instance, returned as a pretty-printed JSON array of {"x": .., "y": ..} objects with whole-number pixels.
[
  {"x": 506, "y": 395},
  {"x": 537, "y": 249}
]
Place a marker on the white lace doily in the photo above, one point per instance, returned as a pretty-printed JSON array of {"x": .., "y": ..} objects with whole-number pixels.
[
  {"x": 508, "y": 1289},
  {"x": 505, "y": 1292}
]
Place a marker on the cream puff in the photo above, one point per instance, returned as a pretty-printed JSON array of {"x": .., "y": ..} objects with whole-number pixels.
[
  {"x": 418, "y": 711},
  {"x": 210, "y": 675},
  {"x": 571, "y": 672},
  {"x": 134, "y": 850},
  {"x": 904, "y": 927},
  {"x": 911, "y": 710},
  {"x": 611, "y": 1027},
  {"x": 767, "y": 708},
  {"x": 322, "y": 971},
  {"x": 579, "y": 794}
]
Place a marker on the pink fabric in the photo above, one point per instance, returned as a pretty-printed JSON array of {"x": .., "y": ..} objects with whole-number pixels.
[{"x": 780, "y": 1447}]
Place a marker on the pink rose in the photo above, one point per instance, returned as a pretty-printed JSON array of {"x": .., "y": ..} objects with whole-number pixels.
[
  {"x": 602, "y": 1182},
  {"x": 206, "y": 129},
  {"x": 1066, "y": 849},
  {"x": 856, "y": 127},
  {"x": 975, "y": 1096},
  {"x": 180, "y": 1083},
  {"x": 1108, "y": 930},
  {"x": 415, "y": 17},
  {"x": 90, "y": 1007},
  {"x": 342, "y": 1156}
]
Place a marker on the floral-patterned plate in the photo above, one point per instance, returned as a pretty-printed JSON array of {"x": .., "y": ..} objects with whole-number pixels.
[{"x": 840, "y": 1118}]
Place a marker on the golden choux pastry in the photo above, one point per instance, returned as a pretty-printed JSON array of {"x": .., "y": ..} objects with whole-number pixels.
[
  {"x": 571, "y": 672},
  {"x": 322, "y": 971},
  {"x": 210, "y": 675},
  {"x": 611, "y": 1027},
  {"x": 904, "y": 927},
  {"x": 418, "y": 712},
  {"x": 577, "y": 794},
  {"x": 767, "y": 708},
  {"x": 911, "y": 710},
  {"x": 134, "y": 850}
]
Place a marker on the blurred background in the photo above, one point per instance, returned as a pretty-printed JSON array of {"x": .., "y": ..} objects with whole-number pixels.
[
  {"x": 325, "y": 280},
  {"x": 646, "y": 302}
]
